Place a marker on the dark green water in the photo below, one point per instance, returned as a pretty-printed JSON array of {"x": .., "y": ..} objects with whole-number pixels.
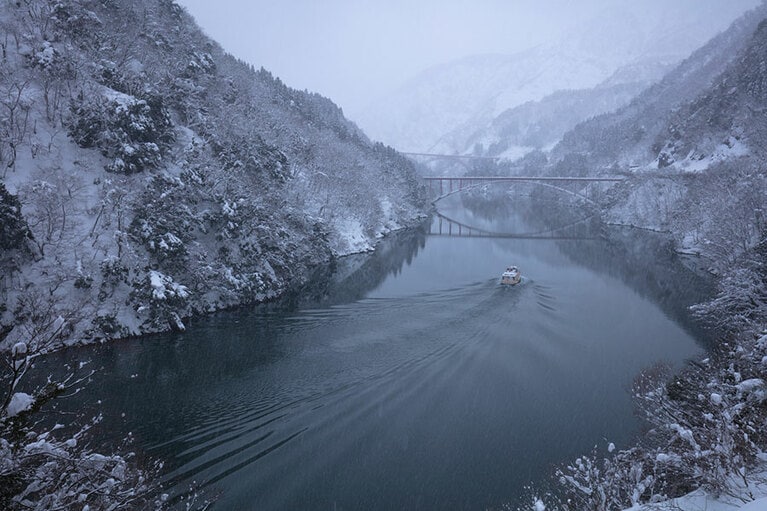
[{"x": 409, "y": 379}]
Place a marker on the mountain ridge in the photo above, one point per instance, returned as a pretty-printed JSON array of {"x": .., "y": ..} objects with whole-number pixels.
[{"x": 466, "y": 95}]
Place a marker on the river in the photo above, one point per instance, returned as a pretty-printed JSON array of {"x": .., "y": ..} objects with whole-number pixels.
[{"x": 409, "y": 379}]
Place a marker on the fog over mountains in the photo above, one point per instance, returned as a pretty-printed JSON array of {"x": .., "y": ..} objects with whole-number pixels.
[{"x": 451, "y": 107}]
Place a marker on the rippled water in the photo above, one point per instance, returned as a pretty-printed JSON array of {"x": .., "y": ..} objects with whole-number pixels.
[{"x": 413, "y": 382}]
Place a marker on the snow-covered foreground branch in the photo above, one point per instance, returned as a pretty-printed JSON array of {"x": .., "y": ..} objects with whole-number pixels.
[{"x": 52, "y": 467}]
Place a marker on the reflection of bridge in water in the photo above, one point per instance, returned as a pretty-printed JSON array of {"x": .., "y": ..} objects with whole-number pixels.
[
  {"x": 446, "y": 185},
  {"x": 447, "y": 227}
]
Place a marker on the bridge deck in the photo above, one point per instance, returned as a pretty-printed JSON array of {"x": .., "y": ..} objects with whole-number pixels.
[{"x": 453, "y": 156}]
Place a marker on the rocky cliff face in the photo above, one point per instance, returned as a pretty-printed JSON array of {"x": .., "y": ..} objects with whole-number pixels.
[{"x": 148, "y": 176}]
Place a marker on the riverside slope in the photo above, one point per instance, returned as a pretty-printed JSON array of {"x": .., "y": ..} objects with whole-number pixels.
[{"x": 148, "y": 176}]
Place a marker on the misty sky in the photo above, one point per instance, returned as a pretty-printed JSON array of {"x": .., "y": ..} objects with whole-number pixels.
[{"x": 355, "y": 50}]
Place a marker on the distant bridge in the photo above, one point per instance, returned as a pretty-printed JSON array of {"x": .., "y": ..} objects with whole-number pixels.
[
  {"x": 461, "y": 157},
  {"x": 448, "y": 185},
  {"x": 464, "y": 160}
]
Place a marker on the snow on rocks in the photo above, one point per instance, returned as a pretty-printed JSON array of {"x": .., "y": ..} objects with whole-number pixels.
[
  {"x": 20, "y": 402},
  {"x": 753, "y": 386},
  {"x": 163, "y": 286},
  {"x": 176, "y": 323},
  {"x": 352, "y": 236},
  {"x": 19, "y": 355},
  {"x": 697, "y": 162}
]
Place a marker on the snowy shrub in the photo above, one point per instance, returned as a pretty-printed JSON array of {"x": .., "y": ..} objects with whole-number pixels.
[
  {"x": 71, "y": 17},
  {"x": 201, "y": 62},
  {"x": 740, "y": 303},
  {"x": 83, "y": 282},
  {"x": 113, "y": 271},
  {"x": 252, "y": 154},
  {"x": 185, "y": 96},
  {"x": 112, "y": 76},
  {"x": 107, "y": 326},
  {"x": 40, "y": 321},
  {"x": 164, "y": 289},
  {"x": 88, "y": 119},
  {"x": 163, "y": 222},
  {"x": 45, "y": 466},
  {"x": 132, "y": 132},
  {"x": 709, "y": 420},
  {"x": 162, "y": 300},
  {"x": 55, "y": 469},
  {"x": 44, "y": 57}
]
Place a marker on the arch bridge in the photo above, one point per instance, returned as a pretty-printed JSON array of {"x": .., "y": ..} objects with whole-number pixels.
[{"x": 463, "y": 159}]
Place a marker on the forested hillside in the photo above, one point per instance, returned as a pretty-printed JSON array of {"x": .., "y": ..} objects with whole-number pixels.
[
  {"x": 541, "y": 124},
  {"x": 726, "y": 119},
  {"x": 148, "y": 176},
  {"x": 629, "y": 137}
]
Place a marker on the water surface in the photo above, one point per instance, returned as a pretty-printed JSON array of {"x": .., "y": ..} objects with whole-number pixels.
[{"x": 409, "y": 379}]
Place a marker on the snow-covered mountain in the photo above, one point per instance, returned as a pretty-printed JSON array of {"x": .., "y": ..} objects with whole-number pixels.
[
  {"x": 636, "y": 134},
  {"x": 539, "y": 125},
  {"x": 148, "y": 176},
  {"x": 466, "y": 95},
  {"x": 727, "y": 120}
]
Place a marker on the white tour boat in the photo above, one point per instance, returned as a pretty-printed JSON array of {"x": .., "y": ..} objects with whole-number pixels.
[{"x": 511, "y": 276}]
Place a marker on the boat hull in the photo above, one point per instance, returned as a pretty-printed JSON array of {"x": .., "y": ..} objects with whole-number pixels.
[{"x": 511, "y": 281}]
